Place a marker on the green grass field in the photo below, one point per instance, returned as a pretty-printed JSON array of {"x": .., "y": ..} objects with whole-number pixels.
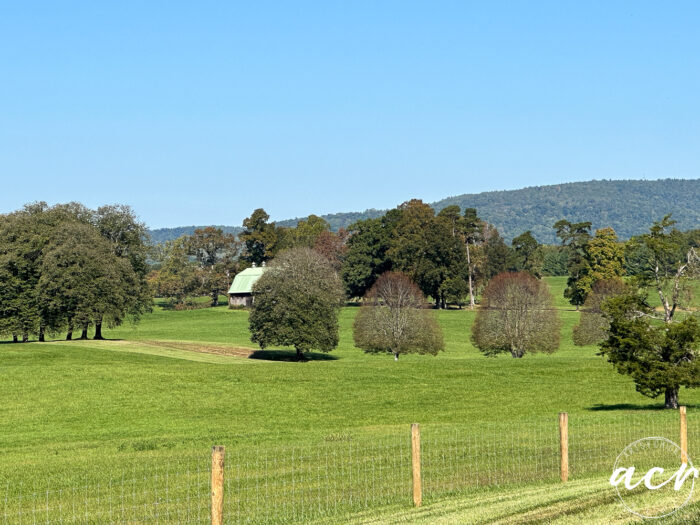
[{"x": 160, "y": 394}]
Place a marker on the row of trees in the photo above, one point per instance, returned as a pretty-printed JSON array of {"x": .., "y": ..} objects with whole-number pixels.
[
  {"x": 453, "y": 254},
  {"x": 297, "y": 304},
  {"x": 450, "y": 256},
  {"x": 66, "y": 268}
]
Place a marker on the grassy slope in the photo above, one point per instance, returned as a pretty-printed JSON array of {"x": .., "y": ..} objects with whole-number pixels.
[{"x": 99, "y": 401}]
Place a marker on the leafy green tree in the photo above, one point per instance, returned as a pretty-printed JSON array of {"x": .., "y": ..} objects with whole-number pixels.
[
  {"x": 260, "y": 238},
  {"x": 517, "y": 316},
  {"x": 366, "y": 257},
  {"x": 427, "y": 248},
  {"x": 81, "y": 279},
  {"x": 660, "y": 358},
  {"x": 527, "y": 253},
  {"x": 308, "y": 231},
  {"x": 393, "y": 319},
  {"x": 473, "y": 231},
  {"x": 214, "y": 253},
  {"x": 296, "y": 303},
  {"x": 605, "y": 258},
  {"x": 574, "y": 237},
  {"x": 669, "y": 261},
  {"x": 593, "y": 326},
  {"x": 22, "y": 243},
  {"x": 34, "y": 232},
  {"x": 128, "y": 240},
  {"x": 176, "y": 279},
  {"x": 496, "y": 254}
]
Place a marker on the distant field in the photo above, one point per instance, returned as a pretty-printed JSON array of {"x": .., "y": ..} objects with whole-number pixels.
[{"x": 182, "y": 381}]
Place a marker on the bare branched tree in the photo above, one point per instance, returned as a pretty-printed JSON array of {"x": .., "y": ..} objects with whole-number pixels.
[
  {"x": 516, "y": 316},
  {"x": 394, "y": 319}
]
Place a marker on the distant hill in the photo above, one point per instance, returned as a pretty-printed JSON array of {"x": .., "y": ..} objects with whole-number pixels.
[
  {"x": 161, "y": 235},
  {"x": 629, "y": 206}
]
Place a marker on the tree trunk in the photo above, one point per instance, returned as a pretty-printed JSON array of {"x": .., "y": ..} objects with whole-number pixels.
[
  {"x": 672, "y": 397},
  {"x": 69, "y": 335},
  {"x": 471, "y": 287},
  {"x": 215, "y": 298},
  {"x": 98, "y": 330},
  {"x": 84, "y": 335},
  {"x": 14, "y": 338},
  {"x": 396, "y": 356},
  {"x": 25, "y": 337},
  {"x": 42, "y": 337},
  {"x": 300, "y": 355}
]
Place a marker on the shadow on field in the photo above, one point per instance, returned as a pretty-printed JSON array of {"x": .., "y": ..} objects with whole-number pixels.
[
  {"x": 628, "y": 406},
  {"x": 289, "y": 356}
]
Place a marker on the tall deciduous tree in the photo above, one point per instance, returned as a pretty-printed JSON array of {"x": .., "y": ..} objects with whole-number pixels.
[
  {"x": 82, "y": 280},
  {"x": 333, "y": 246},
  {"x": 528, "y": 254},
  {"x": 473, "y": 228},
  {"x": 366, "y": 258},
  {"x": 669, "y": 261},
  {"x": 605, "y": 258},
  {"x": 260, "y": 238},
  {"x": 296, "y": 303},
  {"x": 517, "y": 316},
  {"x": 393, "y": 319},
  {"x": 176, "y": 279},
  {"x": 129, "y": 242},
  {"x": 215, "y": 255},
  {"x": 575, "y": 237},
  {"x": 428, "y": 249}
]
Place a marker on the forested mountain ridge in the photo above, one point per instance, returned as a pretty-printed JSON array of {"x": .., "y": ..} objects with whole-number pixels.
[
  {"x": 628, "y": 206},
  {"x": 168, "y": 234}
]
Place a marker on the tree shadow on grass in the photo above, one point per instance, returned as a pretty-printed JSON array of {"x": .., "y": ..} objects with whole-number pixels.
[
  {"x": 631, "y": 406},
  {"x": 290, "y": 356}
]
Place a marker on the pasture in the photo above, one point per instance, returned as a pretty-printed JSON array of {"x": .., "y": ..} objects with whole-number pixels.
[{"x": 181, "y": 381}]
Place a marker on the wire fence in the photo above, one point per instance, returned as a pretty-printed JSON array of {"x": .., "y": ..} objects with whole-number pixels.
[{"x": 332, "y": 477}]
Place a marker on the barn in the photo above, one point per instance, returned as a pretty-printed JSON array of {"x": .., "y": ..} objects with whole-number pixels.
[{"x": 241, "y": 291}]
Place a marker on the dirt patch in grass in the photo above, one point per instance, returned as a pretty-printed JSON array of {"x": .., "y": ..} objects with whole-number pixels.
[{"x": 204, "y": 348}]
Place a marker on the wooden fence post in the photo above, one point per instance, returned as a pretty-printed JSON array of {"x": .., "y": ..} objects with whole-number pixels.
[
  {"x": 684, "y": 435},
  {"x": 217, "y": 485},
  {"x": 564, "y": 445},
  {"x": 415, "y": 461}
]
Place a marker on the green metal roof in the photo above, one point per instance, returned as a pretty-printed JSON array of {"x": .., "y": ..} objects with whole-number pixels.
[{"x": 244, "y": 281}]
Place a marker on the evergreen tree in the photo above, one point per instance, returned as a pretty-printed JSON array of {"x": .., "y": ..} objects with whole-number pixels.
[
  {"x": 575, "y": 237},
  {"x": 660, "y": 358}
]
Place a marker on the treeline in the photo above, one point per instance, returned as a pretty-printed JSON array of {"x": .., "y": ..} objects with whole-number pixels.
[
  {"x": 450, "y": 255},
  {"x": 67, "y": 268}
]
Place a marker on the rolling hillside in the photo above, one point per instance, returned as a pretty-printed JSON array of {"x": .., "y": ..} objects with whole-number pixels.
[{"x": 629, "y": 206}]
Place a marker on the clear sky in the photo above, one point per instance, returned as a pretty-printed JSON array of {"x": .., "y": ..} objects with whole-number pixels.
[{"x": 199, "y": 112}]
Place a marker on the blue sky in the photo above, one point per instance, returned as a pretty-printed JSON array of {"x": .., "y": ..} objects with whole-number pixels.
[{"x": 199, "y": 112}]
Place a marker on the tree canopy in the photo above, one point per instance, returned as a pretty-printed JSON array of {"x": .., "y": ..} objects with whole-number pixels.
[
  {"x": 517, "y": 316},
  {"x": 296, "y": 303},
  {"x": 393, "y": 319}
]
